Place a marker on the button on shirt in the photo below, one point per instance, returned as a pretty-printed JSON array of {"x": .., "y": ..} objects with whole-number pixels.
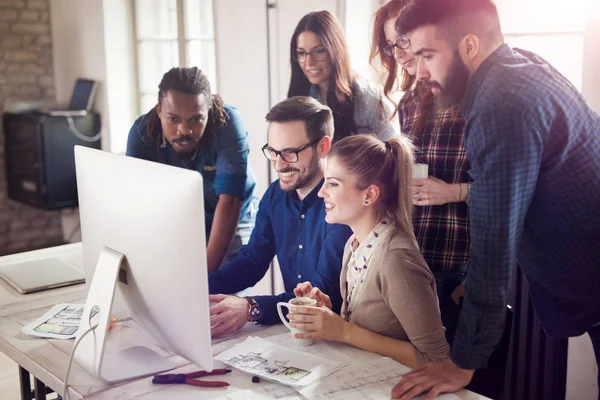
[
  {"x": 534, "y": 147},
  {"x": 307, "y": 249},
  {"x": 222, "y": 162}
]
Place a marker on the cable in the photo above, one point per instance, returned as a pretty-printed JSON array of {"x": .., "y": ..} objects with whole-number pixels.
[
  {"x": 81, "y": 136},
  {"x": 90, "y": 329},
  {"x": 66, "y": 384}
]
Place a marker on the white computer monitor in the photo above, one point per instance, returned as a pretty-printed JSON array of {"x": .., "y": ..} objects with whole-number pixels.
[{"x": 144, "y": 248}]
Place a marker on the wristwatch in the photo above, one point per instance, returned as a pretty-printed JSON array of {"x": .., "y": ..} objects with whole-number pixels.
[{"x": 254, "y": 311}]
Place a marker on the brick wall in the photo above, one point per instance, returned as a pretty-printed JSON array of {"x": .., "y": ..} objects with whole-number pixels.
[{"x": 26, "y": 73}]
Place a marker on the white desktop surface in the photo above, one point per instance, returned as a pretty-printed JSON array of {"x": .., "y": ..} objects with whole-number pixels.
[{"x": 46, "y": 359}]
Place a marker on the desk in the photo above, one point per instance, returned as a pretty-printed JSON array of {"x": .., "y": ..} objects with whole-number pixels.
[{"x": 47, "y": 359}]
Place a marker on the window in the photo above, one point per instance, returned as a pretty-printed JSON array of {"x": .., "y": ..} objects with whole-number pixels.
[
  {"x": 553, "y": 29},
  {"x": 172, "y": 33}
]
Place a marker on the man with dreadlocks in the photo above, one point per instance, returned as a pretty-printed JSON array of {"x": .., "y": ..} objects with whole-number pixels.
[{"x": 191, "y": 128}]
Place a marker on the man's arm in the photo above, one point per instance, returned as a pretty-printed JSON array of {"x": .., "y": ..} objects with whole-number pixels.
[
  {"x": 253, "y": 259},
  {"x": 505, "y": 153},
  {"x": 225, "y": 222},
  {"x": 327, "y": 279},
  {"x": 230, "y": 185}
]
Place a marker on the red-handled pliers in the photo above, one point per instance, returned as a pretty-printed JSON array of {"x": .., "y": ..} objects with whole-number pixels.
[{"x": 189, "y": 378}]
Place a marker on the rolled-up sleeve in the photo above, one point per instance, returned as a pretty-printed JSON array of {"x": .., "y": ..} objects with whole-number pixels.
[{"x": 232, "y": 156}]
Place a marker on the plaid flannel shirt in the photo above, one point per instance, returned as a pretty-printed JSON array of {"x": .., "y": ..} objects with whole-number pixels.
[
  {"x": 534, "y": 147},
  {"x": 441, "y": 231}
]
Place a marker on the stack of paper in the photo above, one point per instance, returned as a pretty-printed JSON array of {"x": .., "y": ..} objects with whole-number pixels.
[
  {"x": 374, "y": 380},
  {"x": 60, "y": 322},
  {"x": 260, "y": 357}
]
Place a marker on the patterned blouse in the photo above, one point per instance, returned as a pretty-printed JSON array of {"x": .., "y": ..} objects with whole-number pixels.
[
  {"x": 360, "y": 257},
  {"x": 441, "y": 231}
]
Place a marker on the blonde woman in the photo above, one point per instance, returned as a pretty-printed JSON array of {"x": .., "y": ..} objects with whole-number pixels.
[{"x": 390, "y": 305}]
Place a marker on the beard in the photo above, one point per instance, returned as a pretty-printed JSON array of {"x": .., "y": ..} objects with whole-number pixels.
[
  {"x": 186, "y": 154},
  {"x": 302, "y": 178},
  {"x": 453, "y": 91}
]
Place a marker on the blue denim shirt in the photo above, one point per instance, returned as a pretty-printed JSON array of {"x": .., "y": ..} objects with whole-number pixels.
[
  {"x": 222, "y": 162},
  {"x": 534, "y": 147},
  {"x": 307, "y": 248}
]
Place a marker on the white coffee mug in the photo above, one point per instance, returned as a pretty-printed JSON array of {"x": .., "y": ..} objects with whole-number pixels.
[
  {"x": 420, "y": 171},
  {"x": 302, "y": 302}
]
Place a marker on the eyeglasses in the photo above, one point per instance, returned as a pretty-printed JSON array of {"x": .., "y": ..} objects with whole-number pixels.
[
  {"x": 319, "y": 54},
  {"x": 403, "y": 43},
  {"x": 287, "y": 155}
]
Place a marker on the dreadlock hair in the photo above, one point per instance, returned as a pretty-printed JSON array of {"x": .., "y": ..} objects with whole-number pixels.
[{"x": 190, "y": 81}]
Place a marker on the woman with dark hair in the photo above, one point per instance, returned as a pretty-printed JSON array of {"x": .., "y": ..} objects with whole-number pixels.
[
  {"x": 191, "y": 128},
  {"x": 441, "y": 218},
  {"x": 389, "y": 298},
  {"x": 321, "y": 69}
]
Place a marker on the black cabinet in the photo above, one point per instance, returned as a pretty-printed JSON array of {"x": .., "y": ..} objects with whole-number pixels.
[{"x": 40, "y": 164}]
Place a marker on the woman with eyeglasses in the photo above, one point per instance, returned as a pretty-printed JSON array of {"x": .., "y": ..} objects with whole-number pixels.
[
  {"x": 321, "y": 69},
  {"x": 441, "y": 218}
]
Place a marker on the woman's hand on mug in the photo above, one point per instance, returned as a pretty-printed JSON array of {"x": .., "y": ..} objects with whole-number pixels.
[
  {"x": 321, "y": 323},
  {"x": 306, "y": 289},
  {"x": 434, "y": 192}
]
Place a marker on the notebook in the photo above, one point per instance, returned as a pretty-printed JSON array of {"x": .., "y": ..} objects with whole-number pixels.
[{"x": 37, "y": 275}]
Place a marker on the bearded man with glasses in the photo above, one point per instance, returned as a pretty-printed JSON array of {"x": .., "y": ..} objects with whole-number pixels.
[{"x": 290, "y": 223}]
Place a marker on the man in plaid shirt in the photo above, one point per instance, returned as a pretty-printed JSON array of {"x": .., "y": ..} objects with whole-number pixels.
[{"x": 534, "y": 147}]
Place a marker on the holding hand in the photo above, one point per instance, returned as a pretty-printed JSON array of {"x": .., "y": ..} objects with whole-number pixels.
[
  {"x": 439, "y": 377},
  {"x": 434, "y": 192},
  {"x": 305, "y": 289},
  {"x": 321, "y": 323},
  {"x": 229, "y": 315}
]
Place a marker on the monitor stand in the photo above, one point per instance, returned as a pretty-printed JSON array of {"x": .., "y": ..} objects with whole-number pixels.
[{"x": 91, "y": 354}]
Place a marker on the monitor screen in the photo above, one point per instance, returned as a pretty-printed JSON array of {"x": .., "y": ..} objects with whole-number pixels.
[
  {"x": 153, "y": 215},
  {"x": 83, "y": 95}
]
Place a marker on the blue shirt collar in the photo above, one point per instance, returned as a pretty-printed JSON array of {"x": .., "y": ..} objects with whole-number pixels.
[
  {"x": 477, "y": 79},
  {"x": 310, "y": 199}
]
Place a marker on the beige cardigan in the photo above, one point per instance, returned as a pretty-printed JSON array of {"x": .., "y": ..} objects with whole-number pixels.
[{"x": 398, "y": 297}]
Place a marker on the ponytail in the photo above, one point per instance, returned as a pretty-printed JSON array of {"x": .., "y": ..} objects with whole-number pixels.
[
  {"x": 401, "y": 166},
  {"x": 388, "y": 165}
]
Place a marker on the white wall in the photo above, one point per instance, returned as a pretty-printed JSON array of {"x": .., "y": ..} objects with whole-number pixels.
[
  {"x": 94, "y": 39},
  {"x": 582, "y": 370},
  {"x": 358, "y": 26},
  {"x": 121, "y": 71},
  {"x": 78, "y": 52},
  {"x": 242, "y": 70}
]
